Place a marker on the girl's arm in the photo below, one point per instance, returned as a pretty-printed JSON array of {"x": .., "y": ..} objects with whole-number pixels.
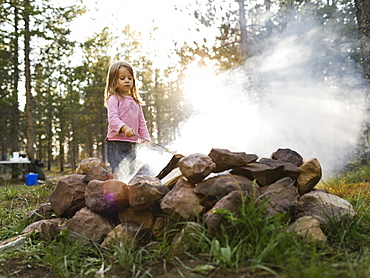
[
  {"x": 143, "y": 129},
  {"x": 114, "y": 120}
]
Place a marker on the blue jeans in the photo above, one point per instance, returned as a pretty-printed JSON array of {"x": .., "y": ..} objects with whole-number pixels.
[{"x": 120, "y": 150}]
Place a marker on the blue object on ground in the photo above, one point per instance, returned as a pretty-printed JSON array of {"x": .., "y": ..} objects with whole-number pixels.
[{"x": 31, "y": 179}]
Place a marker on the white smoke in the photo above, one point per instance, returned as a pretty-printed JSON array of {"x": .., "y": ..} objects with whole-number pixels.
[{"x": 303, "y": 92}]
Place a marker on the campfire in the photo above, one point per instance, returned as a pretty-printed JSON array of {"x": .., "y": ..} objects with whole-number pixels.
[{"x": 94, "y": 207}]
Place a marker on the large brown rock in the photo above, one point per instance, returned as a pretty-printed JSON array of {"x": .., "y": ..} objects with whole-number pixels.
[
  {"x": 129, "y": 234},
  {"x": 288, "y": 155},
  {"x": 325, "y": 207},
  {"x": 87, "y": 225},
  {"x": 98, "y": 173},
  {"x": 226, "y": 159},
  {"x": 230, "y": 202},
  {"x": 182, "y": 201},
  {"x": 143, "y": 218},
  {"x": 158, "y": 227},
  {"x": 48, "y": 228},
  {"x": 196, "y": 167},
  {"x": 290, "y": 169},
  {"x": 311, "y": 174},
  {"x": 88, "y": 163},
  {"x": 309, "y": 228},
  {"x": 220, "y": 186},
  {"x": 107, "y": 196},
  {"x": 145, "y": 191},
  {"x": 69, "y": 196},
  {"x": 263, "y": 174},
  {"x": 44, "y": 211},
  {"x": 282, "y": 196}
]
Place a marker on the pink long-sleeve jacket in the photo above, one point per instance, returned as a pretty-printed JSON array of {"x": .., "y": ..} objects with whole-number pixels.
[{"x": 125, "y": 112}]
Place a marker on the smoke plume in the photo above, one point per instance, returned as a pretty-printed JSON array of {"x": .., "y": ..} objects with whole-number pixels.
[{"x": 302, "y": 92}]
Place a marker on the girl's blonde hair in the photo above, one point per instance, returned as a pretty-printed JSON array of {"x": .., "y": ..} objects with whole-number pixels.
[{"x": 111, "y": 87}]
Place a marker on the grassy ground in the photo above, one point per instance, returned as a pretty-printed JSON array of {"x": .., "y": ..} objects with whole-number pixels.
[{"x": 253, "y": 246}]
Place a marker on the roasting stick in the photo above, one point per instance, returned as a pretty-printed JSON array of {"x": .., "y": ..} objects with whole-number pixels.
[{"x": 163, "y": 147}]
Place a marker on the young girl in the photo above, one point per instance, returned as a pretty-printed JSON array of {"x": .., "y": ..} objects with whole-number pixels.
[{"x": 126, "y": 123}]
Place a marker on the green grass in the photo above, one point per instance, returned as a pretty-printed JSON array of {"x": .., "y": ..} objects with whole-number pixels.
[
  {"x": 251, "y": 245},
  {"x": 15, "y": 202}
]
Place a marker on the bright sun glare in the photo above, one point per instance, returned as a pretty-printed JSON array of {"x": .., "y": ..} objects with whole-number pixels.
[{"x": 221, "y": 108}]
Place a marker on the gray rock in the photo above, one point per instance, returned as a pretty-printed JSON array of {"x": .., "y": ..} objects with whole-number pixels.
[
  {"x": 288, "y": 155},
  {"x": 290, "y": 169},
  {"x": 196, "y": 167},
  {"x": 87, "y": 164},
  {"x": 145, "y": 191},
  {"x": 324, "y": 206},
  {"x": 226, "y": 159},
  {"x": 231, "y": 202},
  {"x": 308, "y": 227},
  {"x": 87, "y": 225},
  {"x": 182, "y": 201},
  {"x": 263, "y": 174},
  {"x": 220, "y": 186},
  {"x": 98, "y": 173},
  {"x": 282, "y": 196},
  {"x": 127, "y": 233}
]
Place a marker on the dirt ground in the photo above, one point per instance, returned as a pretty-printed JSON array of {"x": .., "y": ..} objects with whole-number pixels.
[{"x": 16, "y": 268}]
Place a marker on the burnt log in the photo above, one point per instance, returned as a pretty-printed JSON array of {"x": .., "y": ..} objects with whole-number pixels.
[{"x": 170, "y": 166}]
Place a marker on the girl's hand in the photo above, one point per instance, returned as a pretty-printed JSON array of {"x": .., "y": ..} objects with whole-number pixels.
[
  {"x": 142, "y": 139},
  {"x": 129, "y": 132}
]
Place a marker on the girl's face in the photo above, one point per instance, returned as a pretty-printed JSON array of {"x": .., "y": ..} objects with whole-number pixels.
[{"x": 125, "y": 81}]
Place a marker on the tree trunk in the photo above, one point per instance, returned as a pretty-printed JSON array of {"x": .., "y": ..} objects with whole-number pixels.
[
  {"x": 61, "y": 156},
  {"x": 243, "y": 31},
  {"x": 27, "y": 64},
  {"x": 49, "y": 153},
  {"x": 14, "y": 135},
  {"x": 363, "y": 19},
  {"x": 15, "y": 111},
  {"x": 73, "y": 149}
]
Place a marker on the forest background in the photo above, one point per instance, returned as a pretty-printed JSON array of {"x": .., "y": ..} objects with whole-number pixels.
[{"x": 62, "y": 80}]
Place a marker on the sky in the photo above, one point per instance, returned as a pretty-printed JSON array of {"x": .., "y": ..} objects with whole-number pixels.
[
  {"x": 170, "y": 23},
  {"x": 141, "y": 15}
]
